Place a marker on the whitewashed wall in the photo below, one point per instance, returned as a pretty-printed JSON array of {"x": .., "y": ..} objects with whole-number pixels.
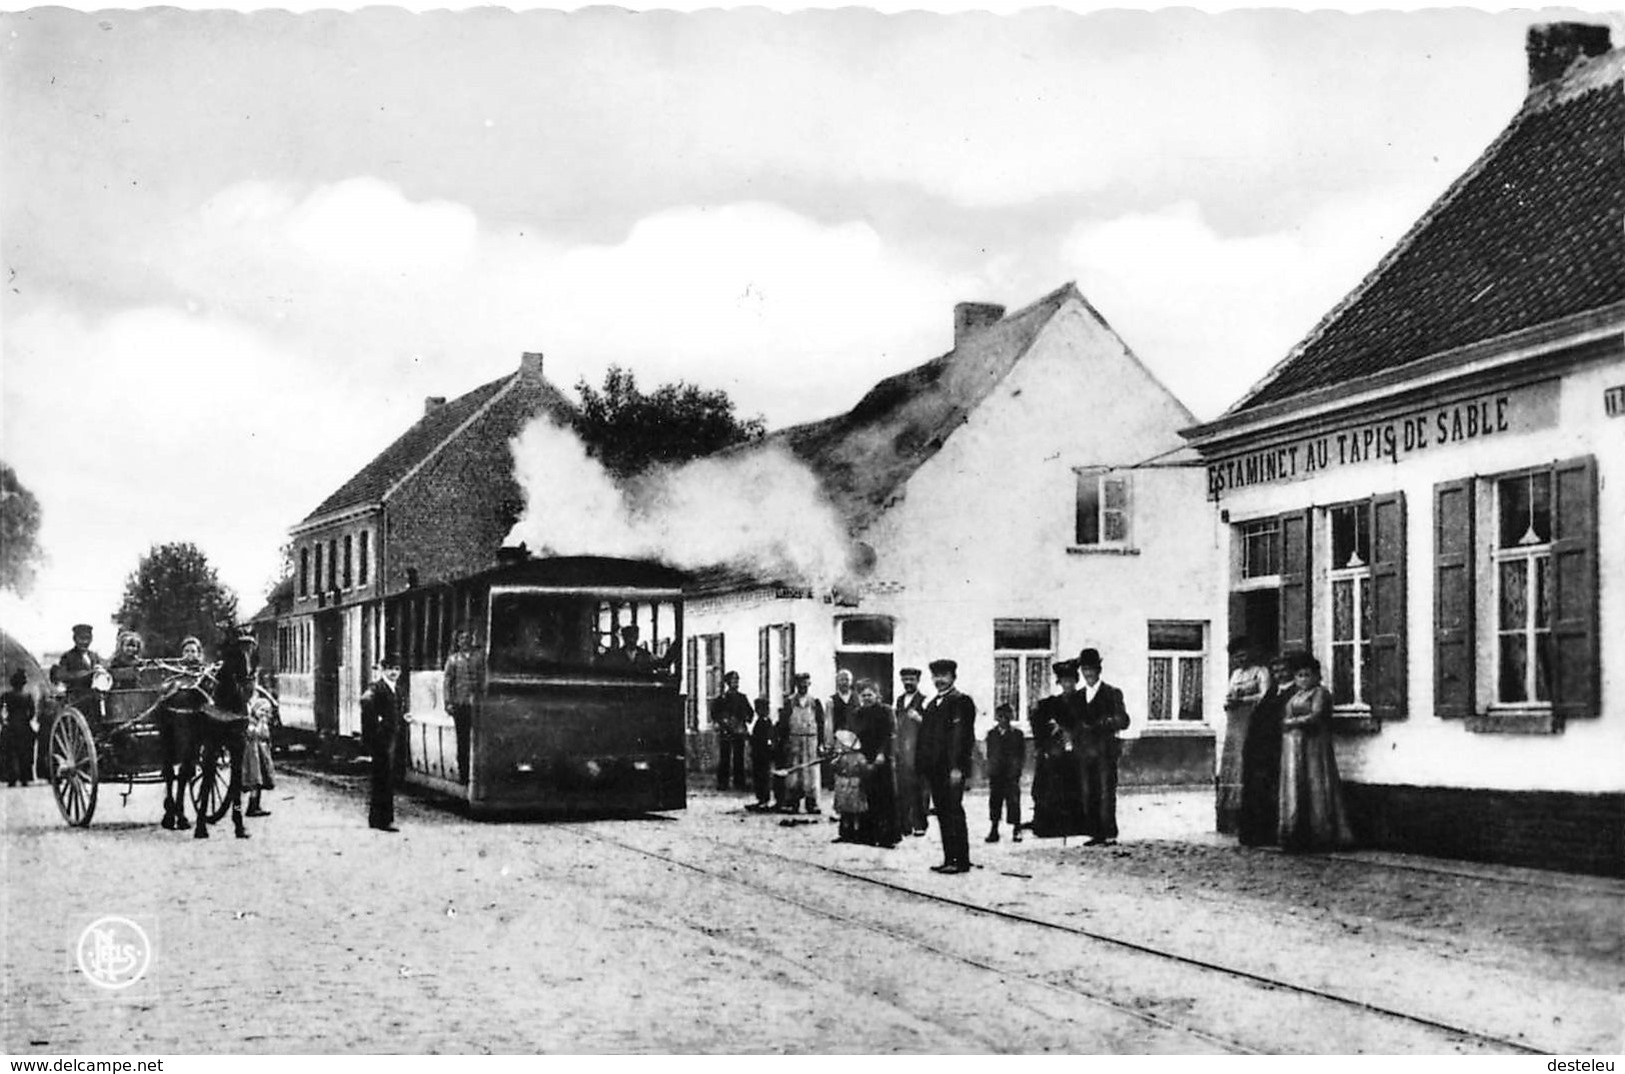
[
  {"x": 984, "y": 528},
  {"x": 1424, "y": 750}
]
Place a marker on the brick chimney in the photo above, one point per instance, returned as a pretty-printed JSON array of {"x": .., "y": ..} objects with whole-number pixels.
[
  {"x": 1554, "y": 46},
  {"x": 530, "y": 365},
  {"x": 972, "y": 317},
  {"x": 433, "y": 403}
]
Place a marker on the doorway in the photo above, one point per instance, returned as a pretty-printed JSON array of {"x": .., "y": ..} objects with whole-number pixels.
[{"x": 329, "y": 663}]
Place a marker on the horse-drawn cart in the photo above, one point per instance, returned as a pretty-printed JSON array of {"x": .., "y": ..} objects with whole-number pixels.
[{"x": 137, "y": 731}]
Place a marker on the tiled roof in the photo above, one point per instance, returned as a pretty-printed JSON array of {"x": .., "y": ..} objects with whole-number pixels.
[
  {"x": 863, "y": 457},
  {"x": 372, "y": 481},
  {"x": 1529, "y": 235}
]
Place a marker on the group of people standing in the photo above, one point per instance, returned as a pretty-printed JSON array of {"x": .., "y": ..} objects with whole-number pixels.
[
  {"x": 1077, "y": 751},
  {"x": 1281, "y": 725},
  {"x": 892, "y": 766}
]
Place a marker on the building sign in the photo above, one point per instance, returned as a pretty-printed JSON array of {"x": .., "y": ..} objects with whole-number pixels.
[{"x": 1467, "y": 421}]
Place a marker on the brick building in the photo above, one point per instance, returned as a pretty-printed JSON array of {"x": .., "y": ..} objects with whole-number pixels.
[
  {"x": 371, "y": 560},
  {"x": 1428, "y": 493},
  {"x": 1020, "y": 497}
]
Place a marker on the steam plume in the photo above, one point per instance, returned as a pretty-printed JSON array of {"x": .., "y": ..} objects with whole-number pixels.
[{"x": 761, "y": 510}]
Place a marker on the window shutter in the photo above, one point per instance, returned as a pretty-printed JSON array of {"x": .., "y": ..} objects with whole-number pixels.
[
  {"x": 1453, "y": 626},
  {"x": 790, "y": 651},
  {"x": 722, "y": 662},
  {"x": 764, "y": 668},
  {"x": 1574, "y": 644},
  {"x": 692, "y": 657},
  {"x": 1388, "y": 606},
  {"x": 1295, "y": 603}
]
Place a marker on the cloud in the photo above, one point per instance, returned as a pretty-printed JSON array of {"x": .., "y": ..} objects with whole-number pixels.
[
  {"x": 315, "y": 320},
  {"x": 161, "y": 425},
  {"x": 362, "y": 225},
  {"x": 1210, "y": 313},
  {"x": 788, "y": 313}
]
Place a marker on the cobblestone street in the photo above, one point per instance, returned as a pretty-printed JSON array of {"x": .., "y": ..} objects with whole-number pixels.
[{"x": 719, "y": 930}]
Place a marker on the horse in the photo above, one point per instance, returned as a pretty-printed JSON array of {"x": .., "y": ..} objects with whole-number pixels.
[
  {"x": 179, "y": 715},
  {"x": 196, "y": 729},
  {"x": 223, "y": 730}
]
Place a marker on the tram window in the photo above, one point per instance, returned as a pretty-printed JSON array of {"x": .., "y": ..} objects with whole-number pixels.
[{"x": 551, "y": 633}]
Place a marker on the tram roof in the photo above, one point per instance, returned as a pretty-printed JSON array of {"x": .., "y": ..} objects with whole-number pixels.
[{"x": 585, "y": 572}]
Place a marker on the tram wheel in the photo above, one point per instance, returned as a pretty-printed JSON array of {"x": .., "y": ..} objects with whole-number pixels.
[{"x": 73, "y": 768}]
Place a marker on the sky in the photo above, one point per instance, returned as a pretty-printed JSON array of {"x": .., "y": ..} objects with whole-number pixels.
[{"x": 241, "y": 249}]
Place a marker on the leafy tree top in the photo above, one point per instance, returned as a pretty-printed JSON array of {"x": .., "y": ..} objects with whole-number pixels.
[
  {"x": 20, "y": 554},
  {"x": 629, "y": 430},
  {"x": 173, "y": 592}
]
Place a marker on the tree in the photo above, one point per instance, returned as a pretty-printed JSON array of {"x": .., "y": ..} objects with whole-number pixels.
[
  {"x": 629, "y": 431},
  {"x": 174, "y": 592},
  {"x": 19, "y": 534}
]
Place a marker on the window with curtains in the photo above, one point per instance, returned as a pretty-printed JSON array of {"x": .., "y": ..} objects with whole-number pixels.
[
  {"x": 1023, "y": 650},
  {"x": 1516, "y": 637},
  {"x": 1349, "y": 582},
  {"x": 1176, "y": 671},
  {"x": 1522, "y": 555},
  {"x": 1358, "y": 604}
]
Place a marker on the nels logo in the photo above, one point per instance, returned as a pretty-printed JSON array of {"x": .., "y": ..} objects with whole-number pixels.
[{"x": 114, "y": 952}]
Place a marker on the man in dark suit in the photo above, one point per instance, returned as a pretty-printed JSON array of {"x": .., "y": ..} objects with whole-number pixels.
[
  {"x": 943, "y": 760},
  {"x": 1100, "y": 716},
  {"x": 380, "y": 712},
  {"x": 730, "y": 713}
]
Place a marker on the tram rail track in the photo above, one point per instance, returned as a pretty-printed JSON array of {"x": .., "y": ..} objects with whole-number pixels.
[{"x": 1451, "y": 1032}]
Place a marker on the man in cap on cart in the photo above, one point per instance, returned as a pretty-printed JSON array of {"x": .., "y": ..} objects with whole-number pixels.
[{"x": 72, "y": 674}]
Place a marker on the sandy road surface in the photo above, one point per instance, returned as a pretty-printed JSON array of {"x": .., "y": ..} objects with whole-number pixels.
[{"x": 319, "y": 935}]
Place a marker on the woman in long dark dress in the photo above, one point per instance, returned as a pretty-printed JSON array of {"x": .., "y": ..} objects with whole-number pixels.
[
  {"x": 877, "y": 732},
  {"x": 1057, "y": 788},
  {"x": 1261, "y": 760},
  {"x": 1312, "y": 814}
]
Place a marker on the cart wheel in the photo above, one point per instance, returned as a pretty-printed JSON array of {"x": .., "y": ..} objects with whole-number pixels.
[
  {"x": 210, "y": 802},
  {"x": 73, "y": 768}
]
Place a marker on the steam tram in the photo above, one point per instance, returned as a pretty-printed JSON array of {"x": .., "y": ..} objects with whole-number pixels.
[{"x": 576, "y": 702}]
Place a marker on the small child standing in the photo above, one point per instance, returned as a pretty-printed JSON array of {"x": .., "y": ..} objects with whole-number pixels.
[
  {"x": 1006, "y": 754},
  {"x": 850, "y": 801},
  {"x": 258, "y": 772}
]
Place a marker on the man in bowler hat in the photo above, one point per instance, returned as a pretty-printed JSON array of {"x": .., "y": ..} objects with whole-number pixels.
[
  {"x": 1100, "y": 716},
  {"x": 943, "y": 760},
  {"x": 380, "y": 713}
]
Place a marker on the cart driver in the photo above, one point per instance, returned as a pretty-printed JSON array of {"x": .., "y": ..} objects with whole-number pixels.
[{"x": 73, "y": 671}]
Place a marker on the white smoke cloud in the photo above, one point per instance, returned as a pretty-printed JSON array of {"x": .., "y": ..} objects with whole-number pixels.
[{"x": 760, "y": 510}]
